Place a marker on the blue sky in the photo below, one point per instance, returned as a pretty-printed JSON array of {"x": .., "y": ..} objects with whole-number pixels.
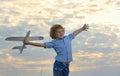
[{"x": 96, "y": 52}]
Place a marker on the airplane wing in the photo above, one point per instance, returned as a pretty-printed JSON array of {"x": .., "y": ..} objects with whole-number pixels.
[{"x": 21, "y": 38}]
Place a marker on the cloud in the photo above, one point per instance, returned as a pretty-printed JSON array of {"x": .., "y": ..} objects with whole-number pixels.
[
  {"x": 110, "y": 1},
  {"x": 89, "y": 55},
  {"x": 20, "y": 63},
  {"x": 118, "y": 3},
  {"x": 114, "y": 59},
  {"x": 91, "y": 58},
  {"x": 75, "y": 68},
  {"x": 4, "y": 0},
  {"x": 88, "y": 58},
  {"x": 105, "y": 71},
  {"x": 113, "y": 2},
  {"x": 1, "y": 52}
]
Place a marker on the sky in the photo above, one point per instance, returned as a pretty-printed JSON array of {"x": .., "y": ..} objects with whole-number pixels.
[{"x": 96, "y": 52}]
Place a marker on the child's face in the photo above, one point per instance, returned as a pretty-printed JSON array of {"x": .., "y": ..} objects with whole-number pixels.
[{"x": 59, "y": 33}]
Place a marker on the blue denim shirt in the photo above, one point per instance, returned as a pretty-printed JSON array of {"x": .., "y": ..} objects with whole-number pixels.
[{"x": 62, "y": 47}]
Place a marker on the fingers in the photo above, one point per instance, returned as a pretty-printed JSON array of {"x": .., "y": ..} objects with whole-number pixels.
[
  {"x": 86, "y": 27},
  {"x": 25, "y": 41}
]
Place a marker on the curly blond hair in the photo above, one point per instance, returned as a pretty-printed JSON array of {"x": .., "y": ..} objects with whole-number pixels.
[{"x": 53, "y": 29}]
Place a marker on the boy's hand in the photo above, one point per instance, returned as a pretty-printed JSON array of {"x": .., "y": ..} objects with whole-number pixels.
[
  {"x": 85, "y": 27},
  {"x": 25, "y": 41}
]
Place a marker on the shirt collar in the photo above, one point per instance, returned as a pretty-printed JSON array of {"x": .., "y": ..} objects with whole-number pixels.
[{"x": 60, "y": 38}]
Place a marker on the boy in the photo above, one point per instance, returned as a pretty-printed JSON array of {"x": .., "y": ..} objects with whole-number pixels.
[{"x": 62, "y": 46}]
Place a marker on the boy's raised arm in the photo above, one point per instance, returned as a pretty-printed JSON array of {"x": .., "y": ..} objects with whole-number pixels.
[{"x": 85, "y": 27}]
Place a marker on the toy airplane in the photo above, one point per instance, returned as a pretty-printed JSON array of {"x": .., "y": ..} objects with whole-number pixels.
[{"x": 22, "y": 38}]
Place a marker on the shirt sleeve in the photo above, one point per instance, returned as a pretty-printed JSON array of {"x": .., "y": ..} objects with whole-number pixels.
[
  {"x": 49, "y": 44},
  {"x": 71, "y": 36}
]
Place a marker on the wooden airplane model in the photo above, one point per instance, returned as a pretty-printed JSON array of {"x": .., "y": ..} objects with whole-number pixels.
[{"x": 22, "y": 38}]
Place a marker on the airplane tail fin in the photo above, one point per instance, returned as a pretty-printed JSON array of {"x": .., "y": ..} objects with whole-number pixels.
[{"x": 19, "y": 47}]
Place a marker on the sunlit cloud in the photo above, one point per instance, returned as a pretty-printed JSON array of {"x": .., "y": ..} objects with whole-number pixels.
[
  {"x": 1, "y": 52},
  {"x": 88, "y": 58},
  {"x": 20, "y": 63},
  {"x": 89, "y": 55},
  {"x": 75, "y": 68}
]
